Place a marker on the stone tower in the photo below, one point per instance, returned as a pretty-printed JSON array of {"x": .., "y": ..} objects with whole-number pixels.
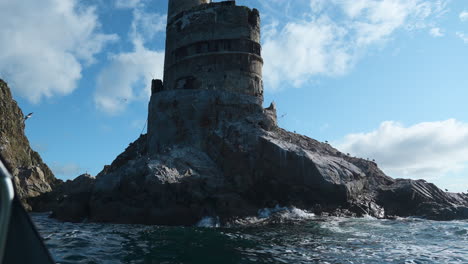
[{"x": 211, "y": 48}]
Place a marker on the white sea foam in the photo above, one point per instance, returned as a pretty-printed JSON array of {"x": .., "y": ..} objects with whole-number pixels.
[
  {"x": 369, "y": 217},
  {"x": 276, "y": 214},
  {"x": 290, "y": 213},
  {"x": 267, "y": 212},
  {"x": 209, "y": 221}
]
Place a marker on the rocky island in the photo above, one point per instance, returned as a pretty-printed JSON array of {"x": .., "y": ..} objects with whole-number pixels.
[{"x": 213, "y": 150}]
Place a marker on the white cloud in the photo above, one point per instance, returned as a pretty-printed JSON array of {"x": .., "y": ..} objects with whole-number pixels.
[
  {"x": 45, "y": 45},
  {"x": 425, "y": 150},
  {"x": 436, "y": 32},
  {"x": 317, "y": 5},
  {"x": 324, "y": 43},
  {"x": 303, "y": 49},
  {"x": 127, "y": 78},
  {"x": 146, "y": 25},
  {"x": 127, "y": 3},
  {"x": 462, "y": 36},
  {"x": 464, "y": 16},
  {"x": 128, "y": 75}
]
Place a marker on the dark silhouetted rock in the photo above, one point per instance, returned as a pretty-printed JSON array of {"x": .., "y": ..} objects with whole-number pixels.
[{"x": 69, "y": 200}]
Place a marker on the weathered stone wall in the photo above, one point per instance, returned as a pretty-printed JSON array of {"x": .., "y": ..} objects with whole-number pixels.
[
  {"x": 177, "y": 6},
  {"x": 189, "y": 117},
  {"x": 214, "y": 47}
]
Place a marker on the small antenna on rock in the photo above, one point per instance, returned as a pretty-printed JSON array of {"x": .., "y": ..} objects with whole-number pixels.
[{"x": 146, "y": 122}]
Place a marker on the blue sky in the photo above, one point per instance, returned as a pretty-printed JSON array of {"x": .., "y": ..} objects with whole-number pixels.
[{"x": 380, "y": 79}]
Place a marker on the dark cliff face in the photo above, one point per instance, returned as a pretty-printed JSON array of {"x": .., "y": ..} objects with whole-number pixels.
[{"x": 31, "y": 176}]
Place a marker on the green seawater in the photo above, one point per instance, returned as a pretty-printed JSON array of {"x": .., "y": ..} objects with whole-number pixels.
[{"x": 314, "y": 240}]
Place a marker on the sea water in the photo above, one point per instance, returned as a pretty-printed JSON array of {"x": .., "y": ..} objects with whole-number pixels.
[{"x": 304, "y": 239}]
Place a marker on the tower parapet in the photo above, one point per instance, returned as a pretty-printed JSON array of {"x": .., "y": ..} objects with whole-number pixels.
[
  {"x": 213, "y": 46},
  {"x": 177, "y": 6}
]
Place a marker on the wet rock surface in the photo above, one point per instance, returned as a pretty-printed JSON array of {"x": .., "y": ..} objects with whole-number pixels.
[
  {"x": 31, "y": 176},
  {"x": 222, "y": 155}
]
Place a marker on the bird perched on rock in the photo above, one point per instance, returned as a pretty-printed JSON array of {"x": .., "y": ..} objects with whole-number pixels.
[{"x": 28, "y": 116}]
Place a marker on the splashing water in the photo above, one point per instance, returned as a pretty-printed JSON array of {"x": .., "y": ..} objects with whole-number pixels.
[
  {"x": 315, "y": 240},
  {"x": 285, "y": 212}
]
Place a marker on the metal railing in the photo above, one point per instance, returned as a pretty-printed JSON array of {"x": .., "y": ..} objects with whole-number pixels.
[{"x": 6, "y": 199}]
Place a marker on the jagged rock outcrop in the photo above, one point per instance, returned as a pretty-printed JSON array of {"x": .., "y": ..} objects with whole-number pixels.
[
  {"x": 419, "y": 198},
  {"x": 70, "y": 198},
  {"x": 235, "y": 161},
  {"x": 31, "y": 176}
]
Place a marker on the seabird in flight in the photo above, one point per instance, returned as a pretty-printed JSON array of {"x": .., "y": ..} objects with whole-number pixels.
[{"x": 28, "y": 116}]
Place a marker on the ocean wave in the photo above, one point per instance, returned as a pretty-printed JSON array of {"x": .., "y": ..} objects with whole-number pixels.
[
  {"x": 274, "y": 215},
  {"x": 291, "y": 213},
  {"x": 310, "y": 239}
]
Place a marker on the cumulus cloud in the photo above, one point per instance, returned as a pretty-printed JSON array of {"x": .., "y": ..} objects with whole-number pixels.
[
  {"x": 327, "y": 44},
  {"x": 425, "y": 150},
  {"x": 464, "y": 16},
  {"x": 45, "y": 45},
  {"x": 127, "y": 77},
  {"x": 436, "y": 32},
  {"x": 462, "y": 36},
  {"x": 147, "y": 25},
  {"x": 302, "y": 49}
]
